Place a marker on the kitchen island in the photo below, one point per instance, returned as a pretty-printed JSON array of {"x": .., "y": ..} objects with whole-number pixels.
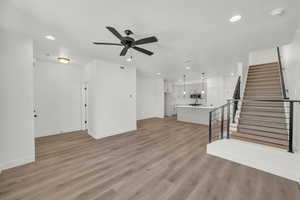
[{"x": 194, "y": 114}]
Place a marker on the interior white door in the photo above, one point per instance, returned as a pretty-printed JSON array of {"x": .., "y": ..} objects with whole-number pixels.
[{"x": 85, "y": 106}]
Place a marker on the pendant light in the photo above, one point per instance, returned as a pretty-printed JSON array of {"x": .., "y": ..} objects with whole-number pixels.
[
  {"x": 184, "y": 91},
  {"x": 203, "y": 78}
]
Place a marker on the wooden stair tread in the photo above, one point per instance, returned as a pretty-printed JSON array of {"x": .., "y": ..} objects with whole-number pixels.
[
  {"x": 266, "y": 131},
  {"x": 262, "y": 84},
  {"x": 268, "y": 90},
  {"x": 262, "y": 72},
  {"x": 263, "y": 109},
  {"x": 258, "y": 71},
  {"x": 263, "y": 118},
  {"x": 266, "y": 87},
  {"x": 255, "y": 122},
  {"x": 263, "y": 103},
  {"x": 261, "y": 75},
  {"x": 265, "y": 114},
  {"x": 265, "y": 93},
  {"x": 264, "y": 97},
  {"x": 260, "y": 140},
  {"x": 275, "y": 78},
  {"x": 271, "y": 67},
  {"x": 265, "y": 64}
]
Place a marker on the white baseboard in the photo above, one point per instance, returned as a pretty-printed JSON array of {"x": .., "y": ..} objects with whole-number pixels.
[
  {"x": 97, "y": 137},
  {"x": 18, "y": 162},
  {"x": 50, "y": 133}
]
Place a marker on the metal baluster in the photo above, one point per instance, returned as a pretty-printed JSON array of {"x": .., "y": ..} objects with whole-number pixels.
[
  {"x": 228, "y": 119},
  {"x": 222, "y": 123},
  {"x": 210, "y": 131},
  {"x": 291, "y": 127}
]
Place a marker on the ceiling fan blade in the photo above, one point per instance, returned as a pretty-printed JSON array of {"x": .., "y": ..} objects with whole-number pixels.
[
  {"x": 146, "y": 40},
  {"x": 105, "y": 43},
  {"x": 115, "y": 32},
  {"x": 124, "y": 51},
  {"x": 143, "y": 51}
]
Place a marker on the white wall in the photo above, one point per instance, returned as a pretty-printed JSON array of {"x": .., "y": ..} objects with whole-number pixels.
[
  {"x": 58, "y": 98},
  {"x": 16, "y": 96},
  {"x": 291, "y": 59},
  {"x": 263, "y": 56},
  {"x": 215, "y": 91},
  {"x": 112, "y": 104},
  {"x": 150, "y": 97}
]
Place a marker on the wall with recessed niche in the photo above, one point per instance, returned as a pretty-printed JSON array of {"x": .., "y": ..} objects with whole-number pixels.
[{"x": 194, "y": 88}]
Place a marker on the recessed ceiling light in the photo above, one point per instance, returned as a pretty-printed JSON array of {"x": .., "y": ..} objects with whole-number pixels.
[
  {"x": 50, "y": 37},
  {"x": 63, "y": 60},
  {"x": 129, "y": 59},
  {"x": 187, "y": 68},
  {"x": 158, "y": 74},
  {"x": 277, "y": 11},
  {"x": 235, "y": 18}
]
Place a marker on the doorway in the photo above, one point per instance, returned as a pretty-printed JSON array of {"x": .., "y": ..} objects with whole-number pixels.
[{"x": 85, "y": 106}]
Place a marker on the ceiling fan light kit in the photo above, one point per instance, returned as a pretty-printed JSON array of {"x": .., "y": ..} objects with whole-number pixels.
[{"x": 129, "y": 42}]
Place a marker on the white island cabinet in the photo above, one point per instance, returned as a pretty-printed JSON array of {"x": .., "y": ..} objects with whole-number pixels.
[{"x": 194, "y": 114}]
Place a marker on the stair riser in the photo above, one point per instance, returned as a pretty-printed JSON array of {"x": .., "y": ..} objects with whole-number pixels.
[
  {"x": 264, "y": 75},
  {"x": 263, "y": 93},
  {"x": 263, "y": 119},
  {"x": 263, "y": 81},
  {"x": 262, "y": 109},
  {"x": 274, "y": 67},
  {"x": 263, "y": 114},
  {"x": 267, "y": 90},
  {"x": 263, "y": 72},
  {"x": 282, "y": 146},
  {"x": 263, "y": 134},
  {"x": 268, "y": 130},
  {"x": 265, "y": 65},
  {"x": 265, "y": 124},
  {"x": 264, "y": 97},
  {"x": 275, "y": 79}
]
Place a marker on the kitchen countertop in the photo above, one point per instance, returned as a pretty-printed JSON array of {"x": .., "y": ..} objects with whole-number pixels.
[{"x": 196, "y": 107}]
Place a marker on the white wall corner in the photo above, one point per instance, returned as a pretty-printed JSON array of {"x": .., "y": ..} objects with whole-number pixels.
[
  {"x": 15, "y": 163},
  {"x": 263, "y": 56}
]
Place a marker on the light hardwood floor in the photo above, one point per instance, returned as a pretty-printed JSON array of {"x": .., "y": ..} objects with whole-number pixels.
[{"x": 163, "y": 160}]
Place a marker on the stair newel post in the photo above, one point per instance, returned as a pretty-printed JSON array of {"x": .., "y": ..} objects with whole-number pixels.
[
  {"x": 209, "y": 127},
  {"x": 291, "y": 127},
  {"x": 228, "y": 118},
  {"x": 222, "y": 122}
]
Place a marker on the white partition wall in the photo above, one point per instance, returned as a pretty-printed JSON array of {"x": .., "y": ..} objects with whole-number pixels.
[
  {"x": 16, "y": 94},
  {"x": 112, "y": 104},
  {"x": 291, "y": 65},
  {"x": 58, "y": 98}
]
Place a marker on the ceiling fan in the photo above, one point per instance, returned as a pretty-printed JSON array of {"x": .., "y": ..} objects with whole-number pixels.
[{"x": 129, "y": 42}]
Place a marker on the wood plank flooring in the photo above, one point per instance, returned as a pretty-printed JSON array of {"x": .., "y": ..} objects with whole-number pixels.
[{"x": 162, "y": 160}]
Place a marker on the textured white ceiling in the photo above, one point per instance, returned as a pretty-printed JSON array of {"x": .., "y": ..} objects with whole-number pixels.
[{"x": 196, "y": 30}]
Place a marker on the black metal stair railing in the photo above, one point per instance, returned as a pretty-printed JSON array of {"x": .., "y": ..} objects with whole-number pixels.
[
  {"x": 281, "y": 75},
  {"x": 217, "y": 119},
  {"x": 236, "y": 95}
]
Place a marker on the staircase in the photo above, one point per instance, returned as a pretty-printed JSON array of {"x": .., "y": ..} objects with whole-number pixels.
[{"x": 263, "y": 122}]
